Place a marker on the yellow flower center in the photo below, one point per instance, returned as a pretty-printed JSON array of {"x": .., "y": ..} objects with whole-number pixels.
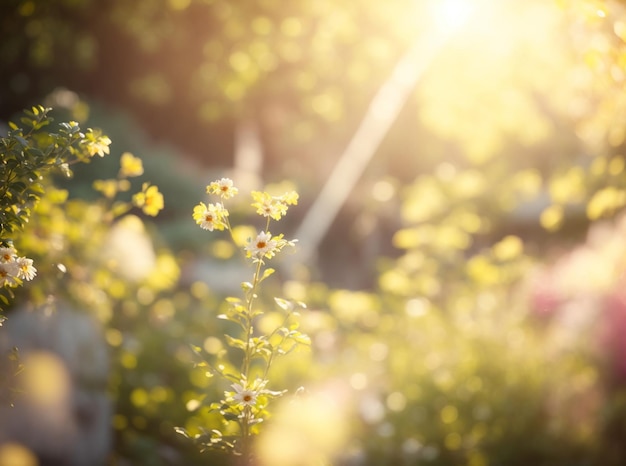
[{"x": 261, "y": 244}]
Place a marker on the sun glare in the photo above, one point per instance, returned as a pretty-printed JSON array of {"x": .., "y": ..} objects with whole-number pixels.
[{"x": 451, "y": 15}]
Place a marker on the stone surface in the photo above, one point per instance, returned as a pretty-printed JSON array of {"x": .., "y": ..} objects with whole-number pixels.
[{"x": 63, "y": 415}]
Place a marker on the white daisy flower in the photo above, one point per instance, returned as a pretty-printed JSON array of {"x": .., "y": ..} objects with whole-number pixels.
[
  {"x": 224, "y": 188},
  {"x": 26, "y": 270},
  {"x": 9, "y": 272},
  {"x": 210, "y": 217},
  {"x": 7, "y": 254},
  {"x": 262, "y": 245},
  {"x": 244, "y": 396}
]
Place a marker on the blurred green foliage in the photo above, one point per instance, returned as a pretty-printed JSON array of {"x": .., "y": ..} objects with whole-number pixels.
[
  {"x": 305, "y": 73},
  {"x": 30, "y": 154},
  {"x": 202, "y": 62}
]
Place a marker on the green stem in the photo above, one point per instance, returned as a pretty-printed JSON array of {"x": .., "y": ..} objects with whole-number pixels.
[
  {"x": 245, "y": 435},
  {"x": 248, "y": 330},
  {"x": 245, "y": 370},
  {"x": 250, "y": 295},
  {"x": 271, "y": 357}
]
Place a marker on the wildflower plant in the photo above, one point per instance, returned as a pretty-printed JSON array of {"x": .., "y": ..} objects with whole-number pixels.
[
  {"x": 244, "y": 405},
  {"x": 30, "y": 154},
  {"x": 149, "y": 199}
]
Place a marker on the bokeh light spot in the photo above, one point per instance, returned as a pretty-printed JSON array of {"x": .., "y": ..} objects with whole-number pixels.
[
  {"x": 552, "y": 217},
  {"x": 383, "y": 191},
  {"x": 358, "y": 381},
  {"x": 416, "y": 307},
  {"x": 312, "y": 427},
  {"x": 212, "y": 345},
  {"x": 508, "y": 248},
  {"x": 178, "y": 5},
  {"x": 453, "y": 441},
  {"x": 239, "y": 61},
  {"x": 192, "y": 405},
  {"x": 160, "y": 394},
  {"x": 46, "y": 379},
  {"x": 128, "y": 360},
  {"x": 27, "y": 8},
  {"x": 120, "y": 422},
  {"x": 139, "y": 397},
  {"x": 200, "y": 290},
  {"x": 14, "y": 454},
  {"x": 449, "y": 414},
  {"x": 262, "y": 25},
  {"x": 379, "y": 351},
  {"x": 396, "y": 401},
  {"x": 291, "y": 27},
  {"x": 114, "y": 337}
]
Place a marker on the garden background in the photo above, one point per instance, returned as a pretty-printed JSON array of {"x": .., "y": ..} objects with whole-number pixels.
[{"x": 461, "y": 231}]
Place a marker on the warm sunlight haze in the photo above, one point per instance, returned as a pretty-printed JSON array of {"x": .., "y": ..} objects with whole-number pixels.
[{"x": 313, "y": 233}]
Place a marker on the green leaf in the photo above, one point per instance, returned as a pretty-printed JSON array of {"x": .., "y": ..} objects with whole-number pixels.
[
  {"x": 230, "y": 416},
  {"x": 266, "y": 273},
  {"x": 28, "y": 122},
  {"x": 235, "y": 342},
  {"x": 301, "y": 338},
  {"x": 10, "y": 164},
  {"x": 262, "y": 347},
  {"x": 231, "y": 317},
  {"x": 182, "y": 431},
  {"x": 18, "y": 186},
  {"x": 255, "y": 312},
  {"x": 284, "y": 304},
  {"x": 215, "y": 406}
]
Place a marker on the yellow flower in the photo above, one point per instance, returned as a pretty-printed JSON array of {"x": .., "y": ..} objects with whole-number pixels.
[
  {"x": 262, "y": 245},
  {"x": 224, "y": 188},
  {"x": 95, "y": 143},
  {"x": 106, "y": 187},
  {"x": 273, "y": 206},
  {"x": 266, "y": 245},
  {"x": 130, "y": 166},
  {"x": 150, "y": 200},
  {"x": 290, "y": 198},
  {"x": 210, "y": 217}
]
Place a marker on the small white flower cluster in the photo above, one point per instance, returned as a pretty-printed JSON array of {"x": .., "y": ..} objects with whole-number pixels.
[
  {"x": 14, "y": 269},
  {"x": 246, "y": 393},
  {"x": 215, "y": 217},
  {"x": 244, "y": 396}
]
